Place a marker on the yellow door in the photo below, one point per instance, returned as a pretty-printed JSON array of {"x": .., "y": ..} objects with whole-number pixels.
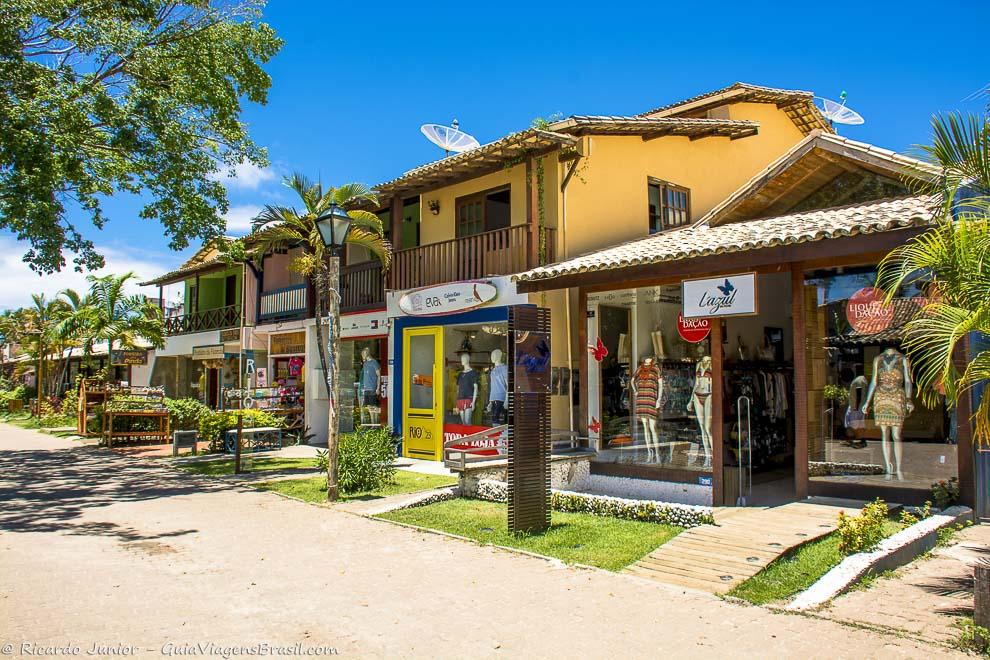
[{"x": 422, "y": 396}]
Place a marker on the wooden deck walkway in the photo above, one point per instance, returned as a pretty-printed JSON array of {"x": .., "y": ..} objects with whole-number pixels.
[{"x": 715, "y": 558}]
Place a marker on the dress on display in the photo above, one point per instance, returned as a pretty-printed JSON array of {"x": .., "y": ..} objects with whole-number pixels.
[
  {"x": 647, "y": 390},
  {"x": 889, "y": 399}
]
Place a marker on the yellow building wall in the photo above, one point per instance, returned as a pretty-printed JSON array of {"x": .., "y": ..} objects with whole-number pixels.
[
  {"x": 607, "y": 203},
  {"x": 442, "y": 227}
]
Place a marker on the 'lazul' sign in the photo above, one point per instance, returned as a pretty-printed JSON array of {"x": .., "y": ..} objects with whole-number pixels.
[
  {"x": 447, "y": 298},
  {"x": 726, "y": 295}
]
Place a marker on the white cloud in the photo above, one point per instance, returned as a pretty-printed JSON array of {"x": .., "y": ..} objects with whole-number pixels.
[
  {"x": 247, "y": 176},
  {"x": 19, "y": 281},
  {"x": 239, "y": 218}
]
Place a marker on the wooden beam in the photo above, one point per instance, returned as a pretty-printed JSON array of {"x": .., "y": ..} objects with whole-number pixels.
[
  {"x": 718, "y": 441},
  {"x": 799, "y": 332},
  {"x": 532, "y": 211}
]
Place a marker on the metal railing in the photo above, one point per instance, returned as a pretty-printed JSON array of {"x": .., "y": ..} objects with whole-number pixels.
[
  {"x": 207, "y": 319},
  {"x": 287, "y": 302}
]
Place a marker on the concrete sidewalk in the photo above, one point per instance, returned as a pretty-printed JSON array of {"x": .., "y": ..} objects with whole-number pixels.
[{"x": 98, "y": 547}]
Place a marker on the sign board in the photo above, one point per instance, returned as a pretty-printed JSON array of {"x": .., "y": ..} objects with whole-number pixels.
[
  {"x": 261, "y": 376},
  {"x": 365, "y": 324},
  {"x": 693, "y": 330},
  {"x": 485, "y": 446},
  {"x": 726, "y": 295},
  {"x": 230, "y": 335},
  {"x": 449, "y": 298},
  {"x": 867, "y": 313},
  {"x": 128, "y": 357},
  {"x": 210, "y": 352},
  {"x": 532, "y": 362},
  {"x": 290, "y": 343}
]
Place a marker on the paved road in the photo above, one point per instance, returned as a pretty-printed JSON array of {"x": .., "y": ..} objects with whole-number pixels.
[{"x": 100, "y": 548}]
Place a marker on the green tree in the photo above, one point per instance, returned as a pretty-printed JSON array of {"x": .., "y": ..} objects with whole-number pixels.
[
  {"x": 36, "y": 334},
  {"x": 950, "y": 260},
  {"x": 117, "y": 318},
  {"x": 140, "y": 97},
  {"x": 280, "y": 227}
]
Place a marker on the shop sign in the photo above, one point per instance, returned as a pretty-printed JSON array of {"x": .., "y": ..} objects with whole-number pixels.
[
  {"x": 447, "y": 298},
  {"x": 288, "y": 344},
  {"x": 867, "y": 312},
  {"x": 230, "y": 335},
  {"x": 128, "y": 357},
  {"x": 483, "y": 446},
  {"x": 261, "y": 376},
  {"x": 693, "y": 330},
  {"x": 726, "y": 295},
  {"x": 211, "y": 352},
  {"x": 365, "y": 324}
]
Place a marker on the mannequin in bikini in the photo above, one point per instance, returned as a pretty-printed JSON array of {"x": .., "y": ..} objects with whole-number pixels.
[{"x": 701, "y": 403}]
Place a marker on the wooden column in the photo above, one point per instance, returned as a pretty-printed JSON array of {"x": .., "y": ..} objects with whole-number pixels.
[
  {"x": 395, "y": 217},
  {"x": 532, "y": 215},
  {"x": 584, "y": 365},
  {"x": 965, "y": 465},
  {"x": 718, "y": 469},
  {"x": 799, "y": 336}
]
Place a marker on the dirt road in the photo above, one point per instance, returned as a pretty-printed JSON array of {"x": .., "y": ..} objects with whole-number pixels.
[{"x": 100, "y": 548}]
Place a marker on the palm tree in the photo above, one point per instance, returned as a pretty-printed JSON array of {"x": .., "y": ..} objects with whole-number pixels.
[
  {"x": 68, "y": 331},
  {"x": 38, "y": 321},
  {"x": 951, "y": 260},
  {"x": 281, "y": 227},
  {"x": 117, "y": 318}
]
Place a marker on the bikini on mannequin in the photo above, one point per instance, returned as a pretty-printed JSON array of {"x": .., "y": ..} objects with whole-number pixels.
[
  {"x": 890, "y": 393},
  {"x": 467, "y": 390},
  {"x": 701, "y": 403},
  {"x": 647, "y": 387}
]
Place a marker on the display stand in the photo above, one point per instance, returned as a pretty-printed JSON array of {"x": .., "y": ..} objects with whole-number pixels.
[
  {"x": 92, "y": 397},
  {"x": 286, "y": 402},
  {"x": 135, "y": 403}
]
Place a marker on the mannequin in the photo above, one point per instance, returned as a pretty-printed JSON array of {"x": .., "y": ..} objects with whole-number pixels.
[
  {"x": 467, "y": 390},
  {"x": 657, "y": 337},
  {"x": 701, "y": 403},
  {"x": 890, "y": 393},
  {"x": 498, "y": 397},
  {"x": 647, "y": 386},
  {"x": 371, "y": 373},
  {"x": 765, "y": 352}
]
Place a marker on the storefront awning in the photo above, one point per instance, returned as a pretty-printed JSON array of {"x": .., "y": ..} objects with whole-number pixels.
[{"x": 704, "y": 241}]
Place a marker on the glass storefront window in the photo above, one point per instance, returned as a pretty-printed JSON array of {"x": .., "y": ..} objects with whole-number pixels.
[
  {"x": 475, "y": 375},
  {"x": 421, "y": 356},
  {"x": 867, "y": 423},
  {"x": 650, "y": 394},
  {"x": 361, "y": 383}
]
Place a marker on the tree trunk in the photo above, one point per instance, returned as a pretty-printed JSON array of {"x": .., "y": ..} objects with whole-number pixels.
[
  {"x": 319, "y": 289},
  {"x": 981, "y": 596},
  {"x": 333, "y": 360}
]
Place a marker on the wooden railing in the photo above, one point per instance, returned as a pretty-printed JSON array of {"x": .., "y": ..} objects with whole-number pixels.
[
  {"x": 499, "y": 252},
  {"x": 208, "y": 319},
  {"x": 362, "y": 286},
  {"x": 287, "y": 302}
]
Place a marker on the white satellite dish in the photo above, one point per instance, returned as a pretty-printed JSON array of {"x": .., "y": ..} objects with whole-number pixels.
[
  {"x": 449, "y": 138},
  {"x": 838, "y": 113}
]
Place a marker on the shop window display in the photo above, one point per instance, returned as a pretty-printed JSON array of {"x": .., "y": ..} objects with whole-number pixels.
[
  {"x": 867, "y": 424},
  {"x": 361, "y": 382},
  {"x": 651, "y": 400},
  {"x": 475, "y": 377}
]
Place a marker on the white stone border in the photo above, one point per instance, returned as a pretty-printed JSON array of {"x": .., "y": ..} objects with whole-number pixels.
[{"x": 893, "y": 552}]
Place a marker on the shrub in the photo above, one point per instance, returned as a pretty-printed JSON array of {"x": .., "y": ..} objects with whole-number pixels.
[
  {"x": 185, "y": 414},
  {"x": 863, "y": 532},
  {"x": 946, "y": 493},
  {"x": 18, "y": 393},
  {"x": 366, "y": 460},
  {"x": 213, "y": 425},
  {"x": 322, "y": 460}
]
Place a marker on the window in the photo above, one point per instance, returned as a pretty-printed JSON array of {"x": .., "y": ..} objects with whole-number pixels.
[
  {"x": 484, "y": 211},
  {"x": 670, "y": 206}
]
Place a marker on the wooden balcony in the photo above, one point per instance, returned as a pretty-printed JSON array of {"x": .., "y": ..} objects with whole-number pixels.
[
  {"x": 362, "y": 286},
  {"x": 287, "y": 303},
  {"x": 207, "y": 319},
  {"x": 499, "y": 252}
]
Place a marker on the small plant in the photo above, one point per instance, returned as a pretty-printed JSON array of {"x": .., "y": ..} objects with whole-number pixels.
[
  {"x": 366, "y": 460},
  {"x": 910, "y": 517},
  {"x": 835, "y": 393},
  {"x": 946, "y": 492},
  {"x": 973, "y": 637},
  {"x": 322, "y": 460},
  {"x": 946, "y": 534},
  {"x": 185, "y": 414},
  {"x": 863, "y": 532},
  {"x": 214, "y": 426}
]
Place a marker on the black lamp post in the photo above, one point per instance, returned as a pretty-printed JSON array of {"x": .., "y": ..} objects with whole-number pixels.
[{"x": 334, "y": 225}]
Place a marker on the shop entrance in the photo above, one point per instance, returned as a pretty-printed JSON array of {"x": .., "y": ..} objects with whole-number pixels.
[{"x": 422, "y": 422}]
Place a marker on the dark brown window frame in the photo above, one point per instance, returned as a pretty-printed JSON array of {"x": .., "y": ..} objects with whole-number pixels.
[
  {"x": 475, "y": 198},
  {"x": 665, "y": 210}
]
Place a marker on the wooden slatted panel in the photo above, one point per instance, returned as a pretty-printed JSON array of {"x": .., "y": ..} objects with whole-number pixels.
[{"x": 529, "y": 436}]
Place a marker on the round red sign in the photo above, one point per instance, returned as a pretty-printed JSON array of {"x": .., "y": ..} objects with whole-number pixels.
[
  {"x": 693, "y": 330},
  {"x": 867, "y": 312}
]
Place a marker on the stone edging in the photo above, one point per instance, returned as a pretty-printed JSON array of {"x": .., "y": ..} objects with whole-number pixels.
[{"x": 893, "y": 552}]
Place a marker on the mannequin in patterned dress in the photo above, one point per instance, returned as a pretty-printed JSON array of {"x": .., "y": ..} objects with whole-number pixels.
[
  {"x": 890, "y": 394},
  {"x": 647, "y": 386}
]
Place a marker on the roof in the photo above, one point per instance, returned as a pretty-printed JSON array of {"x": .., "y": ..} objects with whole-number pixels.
[
  {"x": 207, "y": 259},
  {"x": 704, "y": 240},
  {"x": 654, "y": 127},
  {"x": 808, "y": 165},
  {"x": 797, "y": 104}
]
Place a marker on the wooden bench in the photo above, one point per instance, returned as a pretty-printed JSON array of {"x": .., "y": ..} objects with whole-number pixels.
[{"x": 259, "y": 438}]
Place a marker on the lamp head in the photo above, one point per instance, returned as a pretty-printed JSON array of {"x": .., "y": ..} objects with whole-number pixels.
[{"x": 334, "y": 225}]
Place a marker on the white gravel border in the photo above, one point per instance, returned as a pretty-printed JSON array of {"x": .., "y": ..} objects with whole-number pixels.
[{"x": 893, "y": 552}]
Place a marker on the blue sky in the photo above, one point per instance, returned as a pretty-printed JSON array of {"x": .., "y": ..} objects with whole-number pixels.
[{"x": 355, "y": 81}]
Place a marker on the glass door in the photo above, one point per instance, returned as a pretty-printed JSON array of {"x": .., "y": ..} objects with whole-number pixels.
[{"x": 423, "y": 393}]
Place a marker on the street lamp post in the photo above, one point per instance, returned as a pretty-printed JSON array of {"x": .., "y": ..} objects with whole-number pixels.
[{"x": 334, "y": 225}]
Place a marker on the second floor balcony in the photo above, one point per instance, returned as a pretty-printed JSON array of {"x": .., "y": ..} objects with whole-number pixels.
[
  {"x": 284, "y": 304},
  {"x": 219, "y": 318}
]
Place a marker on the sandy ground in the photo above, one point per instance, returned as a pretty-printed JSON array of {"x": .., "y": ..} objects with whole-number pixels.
[{"x": 100, "y": 548}]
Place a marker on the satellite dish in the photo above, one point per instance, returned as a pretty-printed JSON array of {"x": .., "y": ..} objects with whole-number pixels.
[
  {"x": 838, "y": 113},
  {"x": 449, "y": 138}
]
